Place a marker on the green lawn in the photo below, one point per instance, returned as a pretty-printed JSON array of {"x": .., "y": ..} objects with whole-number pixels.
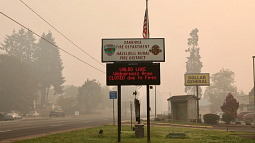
[{"x": 158, "y": 135}]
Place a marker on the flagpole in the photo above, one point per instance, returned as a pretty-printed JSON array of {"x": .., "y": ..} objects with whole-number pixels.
[{"x": 147, "y": 26}]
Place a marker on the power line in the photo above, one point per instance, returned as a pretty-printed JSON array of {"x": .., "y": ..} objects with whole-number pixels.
[
  {"x": 52, "y": 43},
  {"x": 61, "y": 33}
]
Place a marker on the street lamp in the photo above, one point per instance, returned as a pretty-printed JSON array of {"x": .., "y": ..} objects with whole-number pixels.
[{"x": 253, "y": 91}]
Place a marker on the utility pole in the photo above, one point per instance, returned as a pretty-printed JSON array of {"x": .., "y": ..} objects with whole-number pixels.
[{"x": 253, "y": 91}]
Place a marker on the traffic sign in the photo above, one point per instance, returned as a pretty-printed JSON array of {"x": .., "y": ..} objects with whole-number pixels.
[{"x": 113, "y": 94}]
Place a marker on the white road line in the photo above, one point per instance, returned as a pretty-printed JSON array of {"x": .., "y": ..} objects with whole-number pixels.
[
  {"x": 86, "y": 122},
  {"x": 24, "y": 124},
  {"x": 57, "y": 125},
  {"x": 5, "y": 131}
]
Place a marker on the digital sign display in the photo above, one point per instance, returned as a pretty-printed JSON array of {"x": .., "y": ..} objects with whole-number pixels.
[{"x": 127, "y": 74}]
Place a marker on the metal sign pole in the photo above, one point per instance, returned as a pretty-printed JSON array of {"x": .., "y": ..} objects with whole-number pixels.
[
  {"x": 148, "y": 113},
  {"x": 119, "y": 112},
  {"x": 131, "y": 112},
  {"x": 197, "y": 105},
  {"x": 113, "y": 112},
  {"x": 155, "y": 102}
]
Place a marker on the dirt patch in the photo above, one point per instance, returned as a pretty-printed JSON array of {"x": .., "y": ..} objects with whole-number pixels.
[{"x": 247, "y": 136}]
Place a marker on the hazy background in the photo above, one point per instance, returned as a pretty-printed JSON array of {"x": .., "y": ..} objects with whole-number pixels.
[{"x": 226, "y": 34}]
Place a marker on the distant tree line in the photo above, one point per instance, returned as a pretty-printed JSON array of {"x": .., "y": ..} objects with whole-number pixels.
[
  {"x": 90, "y": 96},
  {"x": 31, "y": 68}
]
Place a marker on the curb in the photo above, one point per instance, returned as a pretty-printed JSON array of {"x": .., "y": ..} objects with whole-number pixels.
[{"x": 174, "y": 124}]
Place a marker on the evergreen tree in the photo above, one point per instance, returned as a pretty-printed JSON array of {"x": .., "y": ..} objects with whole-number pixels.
[
  {"x": 18, "y": 86},
  {"x": 49, "y": 67},
  {"x": 20, "y": 45},
  {"x": 193, "y": 65},
  {"x": 42, "y": 58}
]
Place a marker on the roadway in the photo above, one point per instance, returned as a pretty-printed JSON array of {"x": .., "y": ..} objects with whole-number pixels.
[{"x": 46, "y": 125}]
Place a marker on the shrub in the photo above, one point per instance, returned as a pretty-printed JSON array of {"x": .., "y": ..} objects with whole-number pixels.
[
  {"x": 238, "y": 122},
  {"x": 211, "y": 118},
  {"x": 247, "y": 122},
  {"x": 157, "y": 119}
]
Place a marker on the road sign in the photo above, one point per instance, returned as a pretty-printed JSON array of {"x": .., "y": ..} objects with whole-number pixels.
[
  {"x": 113, "y": 94},
  {"x": 133, "y": 50},
  {"x": 130, "y": 74},
  {"x": 197, "y": 79}
]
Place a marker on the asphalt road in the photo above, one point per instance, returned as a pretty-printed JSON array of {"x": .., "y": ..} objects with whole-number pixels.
[{"x": 39, "y": 125}]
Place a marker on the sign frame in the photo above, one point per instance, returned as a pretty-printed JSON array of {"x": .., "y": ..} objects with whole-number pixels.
[
  {"x": 113, "y": 94},
  {"x": 153, "y": 67},
  {"x": 197, "y": 84},
  {"x": 160, "y": 47}
]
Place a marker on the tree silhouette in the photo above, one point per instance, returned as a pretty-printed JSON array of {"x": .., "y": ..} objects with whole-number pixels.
[
  {"x": 193, "y": 65},
  {"x": 18, "y": 86},
  {"x": 89, "y": 95},
  {"x": 20, "y": 45},
  {"x": 49, "y": 67},
  {"x": 71, "y": 91},
  {"x": 222, "y": 83},
  {"x": 42, "y": 58},
  {"x": 107, "y": 103},
  {"x": 229, "y": 107}
]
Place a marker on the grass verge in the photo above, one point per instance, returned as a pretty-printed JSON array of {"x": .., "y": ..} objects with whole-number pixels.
[{"x": 158, "y": 135}]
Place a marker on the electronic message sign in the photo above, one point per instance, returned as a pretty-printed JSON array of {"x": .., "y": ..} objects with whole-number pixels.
[
  {"x": 127, "y": 74},
  {"x": 133, "y": 50},
  {"x": 197, "y": 79}
]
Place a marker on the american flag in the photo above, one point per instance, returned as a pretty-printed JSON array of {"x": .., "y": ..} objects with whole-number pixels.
[{"x": 145, "y": 22}]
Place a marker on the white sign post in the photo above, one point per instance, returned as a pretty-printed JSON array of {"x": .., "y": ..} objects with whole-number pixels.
[
  {"x": 76, "y": 113},
  {"x": 133, "y": 50}
]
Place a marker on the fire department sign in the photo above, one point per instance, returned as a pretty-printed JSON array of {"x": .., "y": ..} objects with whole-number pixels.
[{"x": 133, "y": 50}]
